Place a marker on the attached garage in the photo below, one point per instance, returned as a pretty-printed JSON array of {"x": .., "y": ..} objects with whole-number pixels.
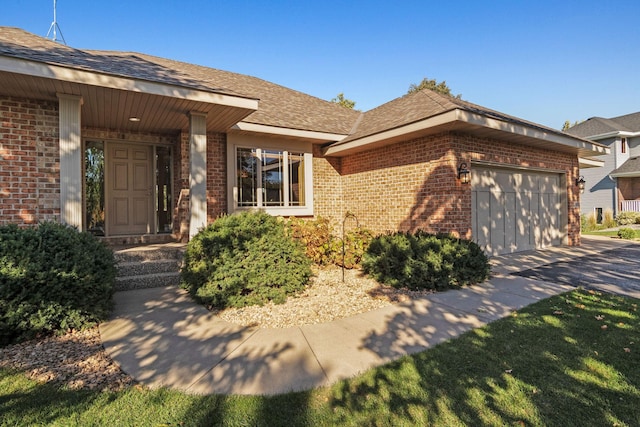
[{"x": 516, "y": 210}]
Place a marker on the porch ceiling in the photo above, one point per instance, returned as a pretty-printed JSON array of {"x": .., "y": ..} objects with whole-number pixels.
[{"x": 110, "y": 108}]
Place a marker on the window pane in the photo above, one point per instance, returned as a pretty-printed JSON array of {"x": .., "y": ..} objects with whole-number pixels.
[
  {"x": 296, "y": 179},
  {"x": 272, "y": 178},
  {"x": 247, "y": 177},
  {"x": 94, "y": 187}
]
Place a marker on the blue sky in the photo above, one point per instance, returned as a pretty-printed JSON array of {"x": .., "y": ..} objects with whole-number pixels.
[{"x": 544, "y": 61}]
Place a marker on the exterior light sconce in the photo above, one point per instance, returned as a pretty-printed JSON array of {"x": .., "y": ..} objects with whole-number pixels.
[
  {"x": 464, "y": 174},
  {"x": 580, "y": 184}
]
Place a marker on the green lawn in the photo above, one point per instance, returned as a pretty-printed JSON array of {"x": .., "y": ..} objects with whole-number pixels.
[
  {"x": 608, "y": 233},
  {"x": 571, "y": 360}
]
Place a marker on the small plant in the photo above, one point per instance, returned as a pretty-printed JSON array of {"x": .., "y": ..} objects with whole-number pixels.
[
  {"x": 627, "y": 233},
  {"x": 589, "y": 222},
  {"x": 425, "y": 261},
  {"x": 608, "y": 221},
  {"x": 627, "y": 218},
  {"x": 53, "y": 278},
  {"x": 244, "y": 259},
  {"x": 315, "y": 235},
  {"x": 323, "y": 247}
]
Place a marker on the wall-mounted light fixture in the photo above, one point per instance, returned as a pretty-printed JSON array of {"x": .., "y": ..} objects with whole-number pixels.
[
  {"x": 580, "y": 184},
  {"x": 464, "y": 174}
]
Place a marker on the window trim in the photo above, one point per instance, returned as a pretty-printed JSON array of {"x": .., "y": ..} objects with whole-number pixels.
[
  {"x": 235, "y": 141},
  {"x": 623, "y": 145}
]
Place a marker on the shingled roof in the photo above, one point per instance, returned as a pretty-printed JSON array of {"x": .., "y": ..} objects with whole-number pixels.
[
  {"x": 601, "y": 126},
  {"x": 278, "y": 106},
  {"x": 629, "y": 168},
  {"x": 281, "y": 107}
]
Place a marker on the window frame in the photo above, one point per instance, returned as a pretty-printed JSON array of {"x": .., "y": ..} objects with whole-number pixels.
[
  {"x": 623, "y": 145},
  {"x": 261, "y": 143}
]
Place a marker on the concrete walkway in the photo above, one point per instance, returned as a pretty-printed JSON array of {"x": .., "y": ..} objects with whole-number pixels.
[{"x": 162, "y": 338}]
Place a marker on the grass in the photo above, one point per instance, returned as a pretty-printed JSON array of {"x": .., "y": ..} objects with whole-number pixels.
[
  {"x": 608, "y": 233},
  {"x": 571, "y": 360}
]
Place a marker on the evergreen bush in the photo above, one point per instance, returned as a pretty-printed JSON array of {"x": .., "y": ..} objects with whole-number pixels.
[
  {"x": 425, "y": 261},
  {"x": 627, "y": 233},
  {"x": 244, "y": 259},
  {"x": 53, "y": 278}
]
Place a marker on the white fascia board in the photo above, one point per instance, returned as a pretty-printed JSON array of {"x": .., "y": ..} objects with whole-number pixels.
[
  {"x": 625, "y": 175},
  {"x": 623, "y": 134},
  {"x": 458, "y": 115},
  {"x": 531, "y": 132},
  {"x": 590, "y": 163},
  {"x": 57, "y": 72},
  {"x": 441, "y": 119},
  {"x": 281, "y": 131}
]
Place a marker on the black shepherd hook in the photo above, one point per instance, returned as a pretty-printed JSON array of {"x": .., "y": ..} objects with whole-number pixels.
[{"x": 344, "y": 220}]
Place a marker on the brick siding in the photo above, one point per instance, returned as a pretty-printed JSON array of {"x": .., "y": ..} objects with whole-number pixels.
[
  {"x": 413, "y": 184},
  {"x": 29, "y": 161}
]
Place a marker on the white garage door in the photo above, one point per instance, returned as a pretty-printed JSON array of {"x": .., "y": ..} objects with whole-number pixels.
[{"x": 517, "y": 210}]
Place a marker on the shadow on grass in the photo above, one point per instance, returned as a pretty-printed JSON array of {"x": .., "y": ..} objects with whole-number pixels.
[{"x": 535, "y": 368}]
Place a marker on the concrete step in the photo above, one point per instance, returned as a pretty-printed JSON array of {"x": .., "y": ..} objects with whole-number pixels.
[
  {"x": 148, "y": 266},
  {"x": 138, "y": 268},
  {"x": 143, "y": 281}
]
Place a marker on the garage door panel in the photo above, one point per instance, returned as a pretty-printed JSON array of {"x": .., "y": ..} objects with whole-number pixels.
[{"x": 516, "y": 210}]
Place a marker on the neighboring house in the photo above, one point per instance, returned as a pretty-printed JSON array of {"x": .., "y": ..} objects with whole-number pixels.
[
  {"x": 616, "y": 185},
  {"x": 134, "y": 147}
]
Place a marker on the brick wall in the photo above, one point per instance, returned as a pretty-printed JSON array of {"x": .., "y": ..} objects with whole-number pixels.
[
  {"x": 413, "y": 184},
  {"x": 327, "y": 186},
  {"x": 216, "y": 181},
  {"x": 29, "y": 161}
]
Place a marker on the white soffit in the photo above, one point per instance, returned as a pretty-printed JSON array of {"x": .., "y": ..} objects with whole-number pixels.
[
  {"x": 590, "y": 163},
  {"x": 457, "y": 119},
  {"x": 57, "y": 72},
  {"x": 294, "y": 133}
]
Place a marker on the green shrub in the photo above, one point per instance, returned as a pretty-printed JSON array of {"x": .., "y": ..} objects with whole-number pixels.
[
  {"x": 52, "y": 278},
  {"x": 627, "y": 218},
  {"x": 607, "y": 220},
  {"x": 627, "y": 233},
  {"x": 425, "y": 261},
  {"x": 244, "y": 259}
]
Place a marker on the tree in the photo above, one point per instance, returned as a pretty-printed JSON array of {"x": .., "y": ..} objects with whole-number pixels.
[
  {"x": 567, "y": 124},
  {"x": 433, "y": 85},
  {"x": 341, "y": 100}
]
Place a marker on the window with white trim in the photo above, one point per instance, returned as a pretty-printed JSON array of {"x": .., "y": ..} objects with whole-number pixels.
[{"x": 274, "y": 176}]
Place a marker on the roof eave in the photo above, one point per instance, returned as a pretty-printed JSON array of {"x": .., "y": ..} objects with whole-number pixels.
[
  {"x": 92, "y": 78},
  {"x": 613, "y": 134},
  {"x": 315, "y": 136},
  {"x": 472, "y": 122}
]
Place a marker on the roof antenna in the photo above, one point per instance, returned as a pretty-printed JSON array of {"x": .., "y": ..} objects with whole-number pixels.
[{"x": 54, "y": 26}]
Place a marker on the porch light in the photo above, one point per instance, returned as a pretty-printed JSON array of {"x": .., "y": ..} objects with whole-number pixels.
[
  {"x": 134, "y": 119},
  {"x": 464, "y": 174},
  {"x": 580, "y": 184}
]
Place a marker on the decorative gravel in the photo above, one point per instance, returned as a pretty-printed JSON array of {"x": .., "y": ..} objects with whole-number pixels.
[
  {"x": 77, "y": 360},
  {"x": 326, "y": 298}
]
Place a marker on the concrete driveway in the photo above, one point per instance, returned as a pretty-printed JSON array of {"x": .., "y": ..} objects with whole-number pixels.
[{"x": 615, "y": 270}]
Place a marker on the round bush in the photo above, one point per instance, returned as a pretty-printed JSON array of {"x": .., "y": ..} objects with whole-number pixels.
[
  {"x": 425, "y": 261},
  {"x": 53, "y": 278},
  {"x": 244, "y": 259},
  {"x": 627, "y": 233}
]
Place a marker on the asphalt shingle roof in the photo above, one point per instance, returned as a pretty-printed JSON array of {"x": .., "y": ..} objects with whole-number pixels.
[
  {"x": 599, "y": 125},
  {"x": 632, "y": 165},
  {"x": 278, "y": 105}
]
